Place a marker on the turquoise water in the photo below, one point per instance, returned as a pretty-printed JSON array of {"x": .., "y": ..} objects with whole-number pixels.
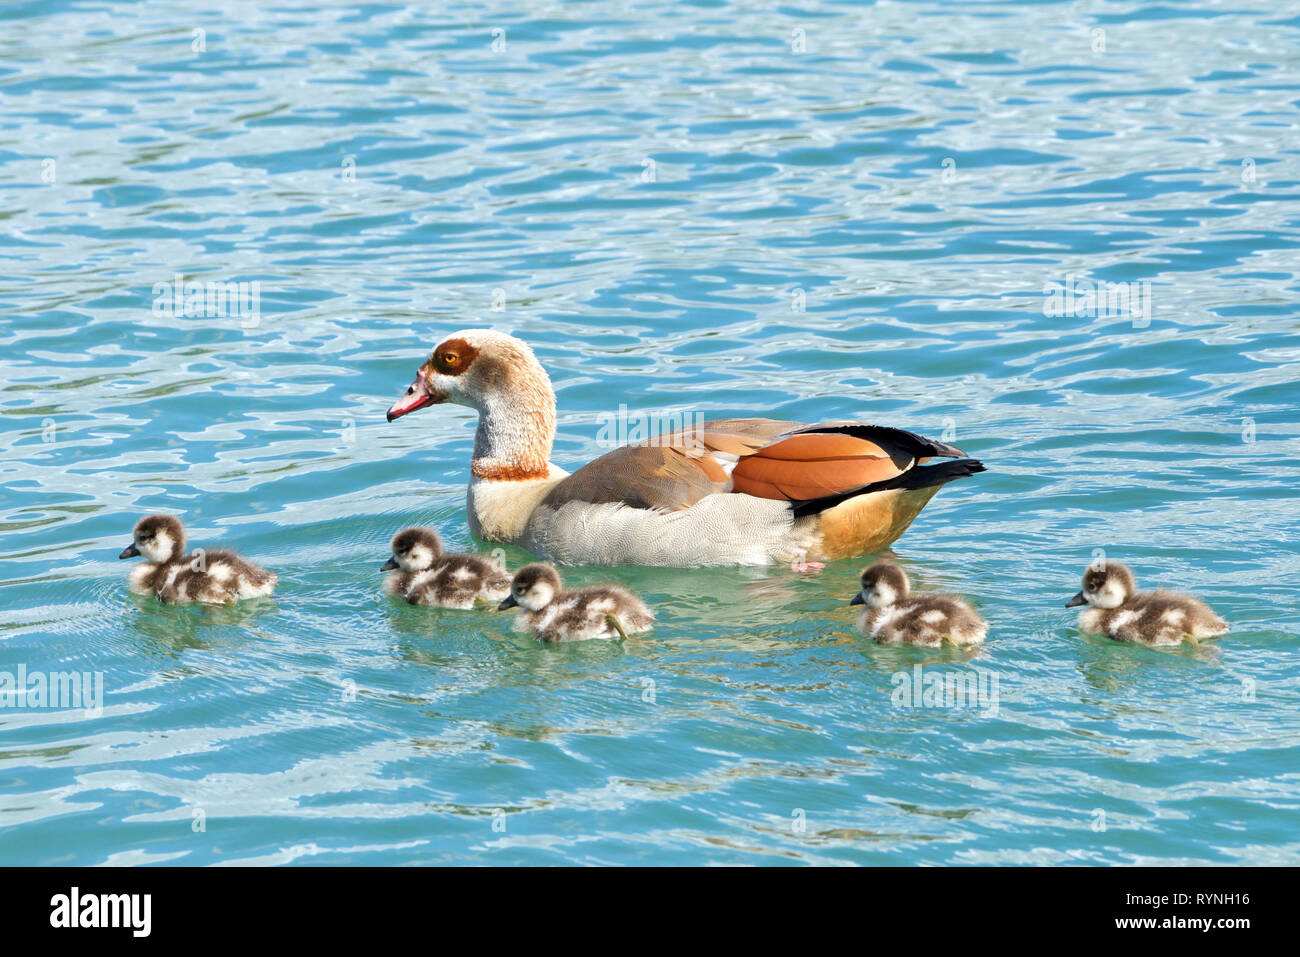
[{"x": 642, "y": 192}]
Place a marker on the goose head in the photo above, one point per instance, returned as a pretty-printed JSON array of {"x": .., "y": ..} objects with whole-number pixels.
[
  {"x": 498, "y": 376},
  {"x": 883, "y": 584},
  {"x": 1105, "y": 585},
  {"x": 482, "y": 369},
  {"x": 159, "y": 538},
  {"x": 414, "y": 550},
  {"x": 533, "y": 588}
]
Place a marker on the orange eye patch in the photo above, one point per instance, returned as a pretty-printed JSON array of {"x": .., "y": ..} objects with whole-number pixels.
[{"x": 453, "y": 357}]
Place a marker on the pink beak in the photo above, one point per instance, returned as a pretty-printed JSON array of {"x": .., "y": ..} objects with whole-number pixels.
[{"x": 417, "y": 397}]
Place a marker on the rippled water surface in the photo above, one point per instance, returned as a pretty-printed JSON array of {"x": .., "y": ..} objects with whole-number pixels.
[{"x": 648, "y": 193}]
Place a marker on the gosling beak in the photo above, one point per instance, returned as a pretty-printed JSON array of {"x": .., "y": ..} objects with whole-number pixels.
[
  {"x": 389, "y": 565},
  {"x": 507, "y": 602},
  {"x": 130, "y": 551},
  {"x": 1076, "y": 600},
  {"x": 858, "y": 599},
  {"x": 417, "y": 396}
]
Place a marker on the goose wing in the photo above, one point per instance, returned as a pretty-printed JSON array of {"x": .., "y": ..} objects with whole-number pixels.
[{"x": 764, "y": 458}]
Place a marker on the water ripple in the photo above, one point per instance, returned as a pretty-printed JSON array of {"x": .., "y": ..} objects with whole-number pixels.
[{"x": 817, "y": 212}]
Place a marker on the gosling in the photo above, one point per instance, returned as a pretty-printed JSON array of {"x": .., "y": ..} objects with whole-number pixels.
[
  {"x": 423, "y": 575},
  {"x": 893, "y": 616},
  {"x": 212, "y": 577},
  {"x": 1118, "y": 610},
  {"x": 549, "y": 613}
]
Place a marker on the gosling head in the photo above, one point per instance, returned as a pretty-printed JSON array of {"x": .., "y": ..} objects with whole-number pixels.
[
  {"x": 1105, "y": 585},
  {"x": 534, "y": 587},
  {"x": 414, "y": 550},
  {"x": 158, "y": 538},
  {"x": 883, "y": 584}
]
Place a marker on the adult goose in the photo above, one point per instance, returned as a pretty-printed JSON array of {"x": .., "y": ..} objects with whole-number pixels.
[{"x": 727, "y": 492}]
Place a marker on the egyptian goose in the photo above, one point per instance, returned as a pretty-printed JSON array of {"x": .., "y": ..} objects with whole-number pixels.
[
  {"x": 171, "y": 576},
  {"x": 425, "y": 576},
  {"x": 729, "y": 492},
  {"x": 549, "y": 613},
  {"x": 894, "y": 615},
  {"x": 1118, "y": 610}
]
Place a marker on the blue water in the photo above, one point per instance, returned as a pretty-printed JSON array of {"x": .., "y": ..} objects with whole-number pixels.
[{"x": 643, "y": 192}]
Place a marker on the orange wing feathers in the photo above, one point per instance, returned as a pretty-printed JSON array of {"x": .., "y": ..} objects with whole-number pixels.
[
  {"x": 810, "y": 446},
  {"x": 813, "y": 464}
]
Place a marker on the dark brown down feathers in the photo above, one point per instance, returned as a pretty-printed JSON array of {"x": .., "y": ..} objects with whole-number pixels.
[{"x": 453, "y": 581}]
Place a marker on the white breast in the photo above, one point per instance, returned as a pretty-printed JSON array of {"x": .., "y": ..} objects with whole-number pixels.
[
  {"x": 499, "y": 511},
  {"x": 135, "y": 579}
]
